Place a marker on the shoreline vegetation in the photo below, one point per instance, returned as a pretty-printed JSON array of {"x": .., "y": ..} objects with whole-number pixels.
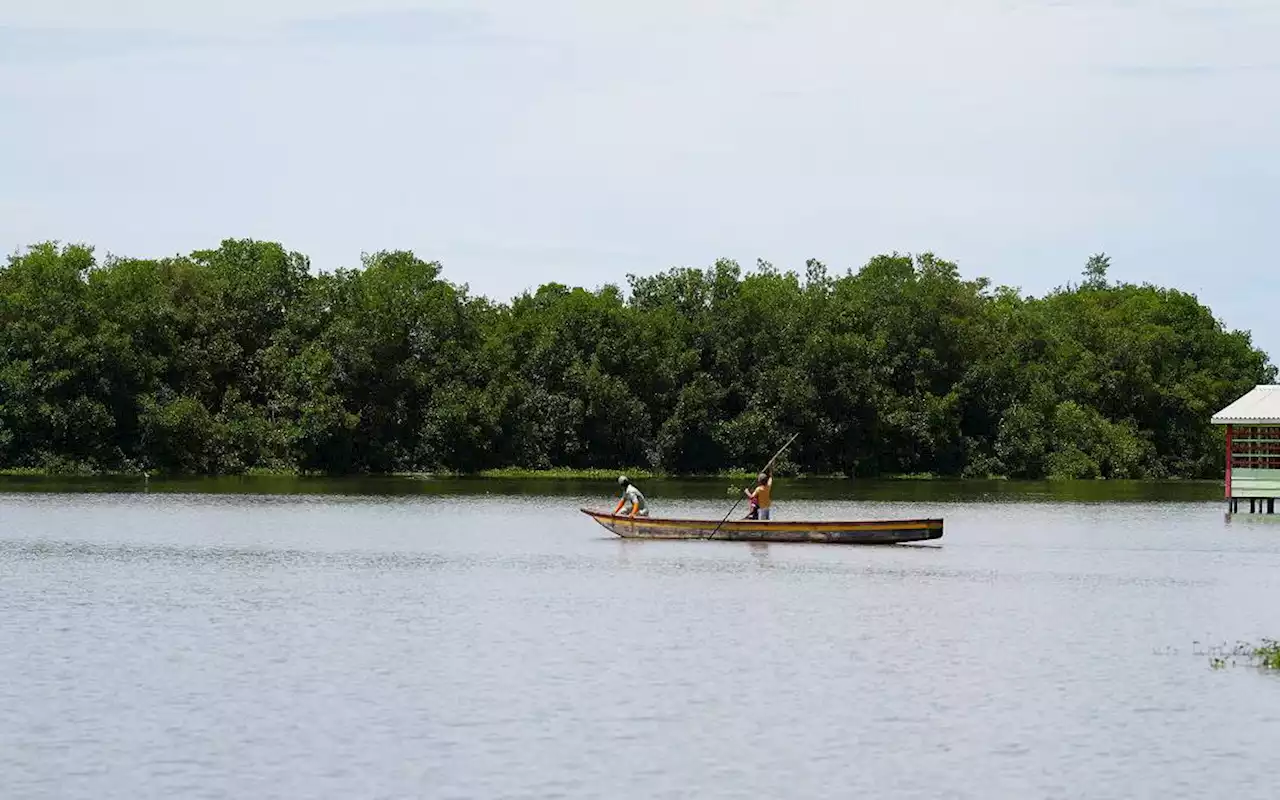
[
  {"x": 242, "y": 360},
  {"x": 499, "y": 473},
  {"x": 565, "y": 474}
]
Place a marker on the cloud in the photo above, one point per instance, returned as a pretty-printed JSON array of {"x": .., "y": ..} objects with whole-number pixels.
[
  {"x": 391, "y": 27},
  {"x": 52, "y": 45},
  {"x": 213, "y": 18},
  {"x": 394, "y": 27},
  {"x": 1186, "y": 71}
]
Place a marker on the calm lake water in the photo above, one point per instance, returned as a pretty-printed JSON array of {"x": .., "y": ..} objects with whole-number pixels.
[{"x": 471, "y": 639}]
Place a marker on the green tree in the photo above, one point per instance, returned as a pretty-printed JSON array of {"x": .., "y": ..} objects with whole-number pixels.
[
  {"x": 242, "y": 357},
  {"x": 1095, "y": 271}
]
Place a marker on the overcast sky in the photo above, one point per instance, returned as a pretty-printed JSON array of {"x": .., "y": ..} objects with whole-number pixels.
[{"x": 579, "y": 140}]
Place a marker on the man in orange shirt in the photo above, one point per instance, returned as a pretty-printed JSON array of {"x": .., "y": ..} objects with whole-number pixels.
[{"x": 761, "y": 497}]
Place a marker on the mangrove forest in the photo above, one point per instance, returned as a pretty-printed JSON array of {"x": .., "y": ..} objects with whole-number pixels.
[{"x": 244, "y": 358}]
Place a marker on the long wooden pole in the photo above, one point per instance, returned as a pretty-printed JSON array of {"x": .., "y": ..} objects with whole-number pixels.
[{"x": 739, "y": 500}]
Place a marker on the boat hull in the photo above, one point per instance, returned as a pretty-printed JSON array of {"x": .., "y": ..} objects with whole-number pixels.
[{"x": 826, "y": 532}]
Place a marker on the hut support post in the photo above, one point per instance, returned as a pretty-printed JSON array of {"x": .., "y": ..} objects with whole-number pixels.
[{"x": 1230, "y": 435}]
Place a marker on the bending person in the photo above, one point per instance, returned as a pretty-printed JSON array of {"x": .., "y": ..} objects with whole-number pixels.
[{"x": 631, "y": 497}]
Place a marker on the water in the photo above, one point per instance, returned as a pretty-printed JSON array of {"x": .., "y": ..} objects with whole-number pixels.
[{"x": 459, "y": 640}]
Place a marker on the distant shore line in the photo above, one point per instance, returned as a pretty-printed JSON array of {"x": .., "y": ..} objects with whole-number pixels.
[
  {"x": 553, "y": 474},
  {"x": 502, "y": 473}
]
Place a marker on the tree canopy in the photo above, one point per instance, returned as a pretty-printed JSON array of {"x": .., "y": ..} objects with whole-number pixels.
[{"x": 243, "y": 357}]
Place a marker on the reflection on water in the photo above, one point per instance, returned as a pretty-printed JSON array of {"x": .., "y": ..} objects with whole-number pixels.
[{"x": 459, "y": 643}]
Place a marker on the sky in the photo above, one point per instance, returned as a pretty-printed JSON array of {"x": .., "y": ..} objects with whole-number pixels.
[{"x": 578, "y": 141}]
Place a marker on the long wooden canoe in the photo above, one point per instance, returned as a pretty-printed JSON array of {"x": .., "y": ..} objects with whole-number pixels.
[{"x": 891, "y": 531}]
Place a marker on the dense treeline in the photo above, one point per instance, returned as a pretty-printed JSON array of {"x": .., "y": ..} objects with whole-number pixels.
[{"x": 241, "y": 357}]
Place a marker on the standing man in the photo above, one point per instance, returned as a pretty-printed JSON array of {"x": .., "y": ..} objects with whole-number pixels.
[
  {"x": 632, "y": 497},
  {"x": 761, "y": 497}
]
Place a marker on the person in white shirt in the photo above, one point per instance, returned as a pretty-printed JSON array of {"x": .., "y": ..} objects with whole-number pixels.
[{"x": 631, "y": 497}]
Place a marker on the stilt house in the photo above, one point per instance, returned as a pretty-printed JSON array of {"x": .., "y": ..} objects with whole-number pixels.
[{"x": 1253, "y": 449}]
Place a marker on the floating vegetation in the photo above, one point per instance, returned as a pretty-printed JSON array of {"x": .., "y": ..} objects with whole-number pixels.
[
  {"x": 1268, "y": 654},
  {"x": 1264, "y": 655}
]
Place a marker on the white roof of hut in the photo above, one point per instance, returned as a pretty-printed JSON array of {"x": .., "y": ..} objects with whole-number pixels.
[{"x": 1261, "y": 406}]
